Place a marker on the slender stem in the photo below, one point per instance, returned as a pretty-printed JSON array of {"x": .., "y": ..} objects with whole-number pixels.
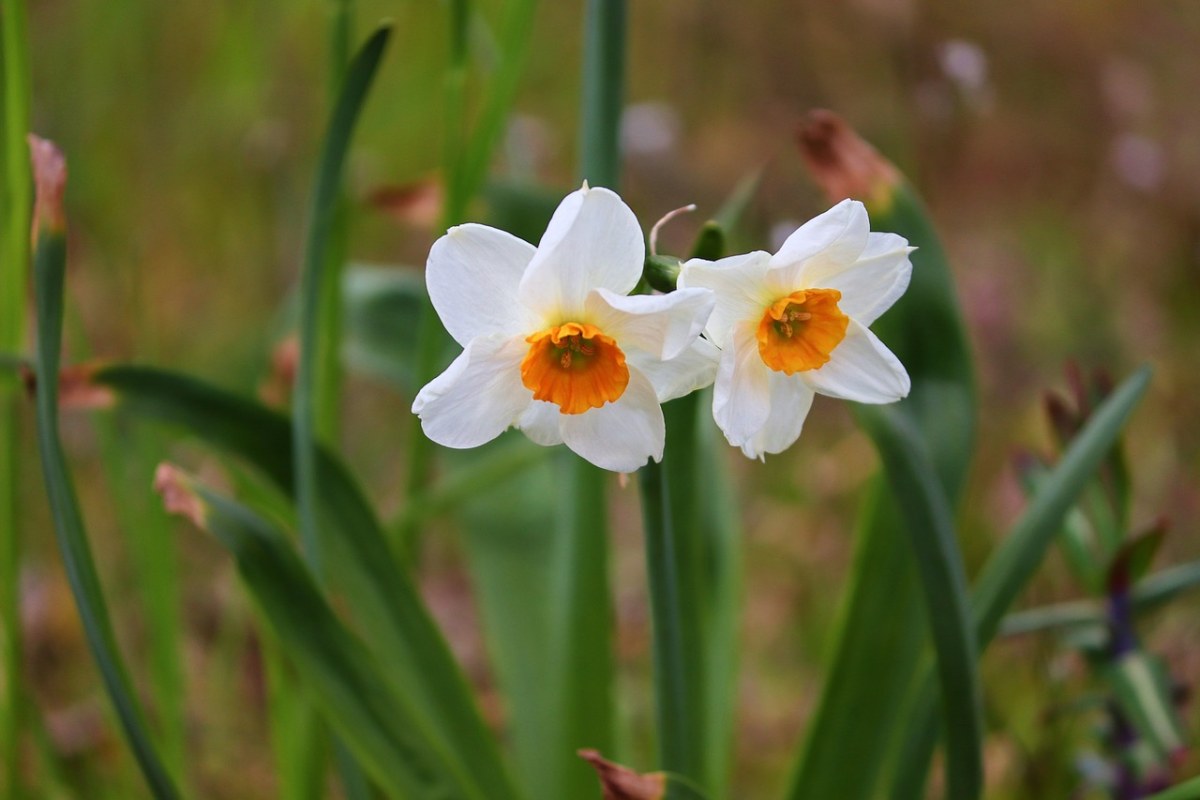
[
  {"x": 582, "y": 629},
  {"x": 583, "y": 635},
  {"x": 603, "y": 91},
  {"x": 14, "y": 271},
  {"x": 678, "y": 654}
]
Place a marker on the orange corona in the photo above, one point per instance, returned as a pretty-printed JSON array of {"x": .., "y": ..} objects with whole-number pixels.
[
  {"x": 574, "y": 366},
  {"x": 799, "y": 331}
]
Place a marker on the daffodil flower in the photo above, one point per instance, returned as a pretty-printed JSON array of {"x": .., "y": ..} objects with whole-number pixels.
[
  {"x": 551, "y": 342},
  {"x": 794, "y": 324}
]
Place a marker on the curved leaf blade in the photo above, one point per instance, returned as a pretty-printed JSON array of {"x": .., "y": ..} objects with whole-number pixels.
[
  {"x": 49, "y": 274},
  {"x": 384, "y": 733},
  {"x": 379, "y": 591}
]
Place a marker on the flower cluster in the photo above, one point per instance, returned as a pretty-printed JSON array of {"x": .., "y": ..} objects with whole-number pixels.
[{"x": 554, "y": 343}]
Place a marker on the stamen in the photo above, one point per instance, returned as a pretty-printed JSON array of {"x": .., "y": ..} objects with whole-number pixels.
[
  {"x": 575, "y": 366},
  {"x": 799, "y": 331}
]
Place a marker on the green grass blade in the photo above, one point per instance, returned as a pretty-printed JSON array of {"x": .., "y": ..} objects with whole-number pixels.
[
  {"x": 1014, "y": 562},
  {"x": 359, "y": 76},
  {"x": 318, "y": 373},
  {"x": 924, "y": 329},
  {"x": 15, "y": 196},
  {"x": 345, "y": 679},
  {"x": 1144, "y": 693},
  {"x": 515, "y": 35},
  {"x": 156, "y": 565},
  {"x": 49, "y": 273},
  {"x": 510, "y": 541},
  {"x": 1012, "y": 565},
  {"x": 1188, "y": 790},
  {"x": 380, "y": 594},
  {"x": 1149, "y": 594},
  {"x": 432, "y": 339},
  {"x": 930, "y": 527}
]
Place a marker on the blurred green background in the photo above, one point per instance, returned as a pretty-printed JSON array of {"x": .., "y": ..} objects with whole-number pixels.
[{"x": 1056, "y": 147}]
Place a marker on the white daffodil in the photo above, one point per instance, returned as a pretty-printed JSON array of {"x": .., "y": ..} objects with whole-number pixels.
[
  {"x": 795, "y": 323},
  {"x": 551, "y": 342}
]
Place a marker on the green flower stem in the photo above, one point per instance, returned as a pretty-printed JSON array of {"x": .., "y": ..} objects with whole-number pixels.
[
  {"x": 668, "y": 513},
  {"x": 603, "y": 91},
  {"x": 14, "y": 272},
  {"x": 582, "y": 629}
]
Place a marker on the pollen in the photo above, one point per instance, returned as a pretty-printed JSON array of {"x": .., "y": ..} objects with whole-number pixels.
[
  {"x": 574, "y": 366},
  {"x": 799, "y": 331}
]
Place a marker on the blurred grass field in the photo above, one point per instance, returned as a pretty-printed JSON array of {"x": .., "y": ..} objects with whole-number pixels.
[{"x": 1054, "y": 143}]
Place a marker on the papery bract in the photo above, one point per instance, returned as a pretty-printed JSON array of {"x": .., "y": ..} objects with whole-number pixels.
[
  {"x": 794, "y": 324},
  {"x": 553, "y": 344}
]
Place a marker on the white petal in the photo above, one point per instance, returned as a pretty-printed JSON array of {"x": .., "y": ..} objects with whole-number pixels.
[
  {"x": 828, "y": 241},
  {"x": 621, "y": 435},
  {"x": 472, "y": 274},
  {"x": 662, "y": 325},
  {"x": 695, "y": 368},
  {"x": 791, "y": 399},
  {"x": 874, "y": 282},
  {"x": 862, "y": 369},
  {"x": 738, "y": 283},
  {"x": 478, "y": 396},
  {"x": 593, "y": 241},
  {"x": 742, "y": 393},
  {"x": 540, "y": 423}
]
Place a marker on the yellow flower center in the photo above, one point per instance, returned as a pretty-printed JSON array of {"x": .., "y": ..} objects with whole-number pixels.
[
  {"x": 799, "y": 331},
  {"x": 574, "y": 366}
]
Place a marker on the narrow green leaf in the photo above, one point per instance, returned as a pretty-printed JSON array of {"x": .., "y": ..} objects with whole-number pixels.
[
  {"x": 49, "y": 272},
  {"x": 156, "y": 565},
  {"x": 1144, "y": 694},
  {"x": 515, "y": 36},
  {"x": 1013, "y": 563},
  {"x": 924, "y": 329},
  {"x": 511, "y": 541},
  {"x": 359, "y": 76},
  {"x": 930, "y": 527},
  {"x": 318, "y": 368},
  {"x": 346, "y": 680},
  {"x": 1151, "y": 593},
  {"x": 1188, "y": 790},
  {"x": 380, "y": 594},
  {"x": 15, "y": 196}
]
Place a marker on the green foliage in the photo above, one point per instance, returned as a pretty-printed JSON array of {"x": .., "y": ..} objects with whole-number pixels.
[
  {"x": 49, "y": 270},
  {"x": 925, "y": 331},
  {"x": 379, "y": 592},
  {"x": 345, "y": 679}
]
